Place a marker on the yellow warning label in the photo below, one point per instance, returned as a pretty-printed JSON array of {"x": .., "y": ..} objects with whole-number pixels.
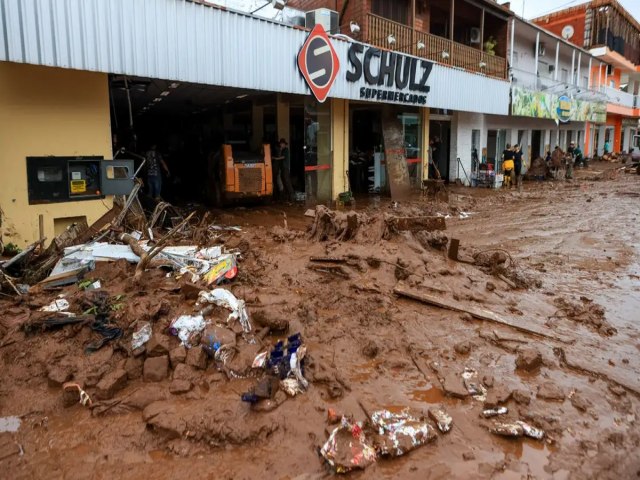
[{"x": 78, "y": 186}]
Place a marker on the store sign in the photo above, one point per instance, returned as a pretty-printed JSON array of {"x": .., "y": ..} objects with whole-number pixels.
[
  {"x": 396, "y": 78},
  {"x": 564, "y": 109},
  {"x": 318, "y": 63},
  {"x": 527, "y": 103}
]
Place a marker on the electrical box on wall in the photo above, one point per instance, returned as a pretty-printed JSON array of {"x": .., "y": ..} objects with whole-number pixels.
[
  {"x": 329, "y": 19},
  {"x": 66, "y": 179}
]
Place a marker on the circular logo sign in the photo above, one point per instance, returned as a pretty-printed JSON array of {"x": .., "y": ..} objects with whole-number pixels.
[{"x": 564, "y": 109}]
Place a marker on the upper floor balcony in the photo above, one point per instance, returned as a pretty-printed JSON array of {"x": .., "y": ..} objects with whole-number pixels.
[
  {"x": 618, "y": 97},
  {"x": 392, "y": 35}
]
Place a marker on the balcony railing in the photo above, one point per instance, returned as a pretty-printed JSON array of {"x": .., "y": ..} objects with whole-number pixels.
[
  {"x": 437, "y": 49},
  {"x": 618, "y": 97}
]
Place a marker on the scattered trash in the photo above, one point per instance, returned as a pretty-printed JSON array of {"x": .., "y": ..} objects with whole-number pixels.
[
  {"x": 465, "y": 215},
  {"x": 260, "y": 361},
  {"x": 90, "y": 285},
  {"x": 186, "y": 326},
  {"x": 141, "y": 336},
  {"x": 507, "y": 429},
  {"x": 224, "y": 268},
  {"x": 473, "y": 386},
  {"x": 443, "y": 419},
  {"x": 494, "y": 412},
  {"x": 226, "y": 299},
  {"x": 10, "y": 424},
  {"x": 58, "y": 305},
  {"x": 347, "y": 448},
  {"x": 85, "y": 400},
  {"x": 401, "y": 432},
  {"x": 531, "y": 431}
]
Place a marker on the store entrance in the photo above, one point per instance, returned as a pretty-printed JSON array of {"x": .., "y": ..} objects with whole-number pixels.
[
  {"x": 440, "y": 149},
  {"x": 367, "y": 170}
]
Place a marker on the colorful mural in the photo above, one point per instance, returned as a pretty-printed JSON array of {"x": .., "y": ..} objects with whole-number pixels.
[{"x": 526, "y": 103}]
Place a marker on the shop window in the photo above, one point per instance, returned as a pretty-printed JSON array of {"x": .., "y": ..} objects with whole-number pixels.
[
  {"x": 398, "y": 11},
  {"x": 318, "y": 150}
]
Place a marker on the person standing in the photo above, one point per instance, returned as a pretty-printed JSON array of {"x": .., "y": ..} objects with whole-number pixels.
[
  {"x": 517, "y": 164},
  {"x": 607, "y": 147},
  {"x": 154, "y": 162},
  {"x": 508, "y": 166},
  {"x": 281, "y": 163}
]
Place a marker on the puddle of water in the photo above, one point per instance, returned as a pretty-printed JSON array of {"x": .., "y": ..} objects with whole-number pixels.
[
  {"x": 9, "y": 424},
  {"x": 431, "y": 395},
  {"x": 534, "y": 453}
]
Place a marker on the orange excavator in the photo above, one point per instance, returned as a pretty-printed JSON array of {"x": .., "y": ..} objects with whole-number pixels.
[{"x": 238, "y": 174}]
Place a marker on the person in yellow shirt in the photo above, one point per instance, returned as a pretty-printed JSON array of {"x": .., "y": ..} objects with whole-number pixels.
[{"x": 508, "y": 166}]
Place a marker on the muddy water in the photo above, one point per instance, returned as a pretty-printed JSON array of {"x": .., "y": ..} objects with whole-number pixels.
[{"x": 577, "y": 239}]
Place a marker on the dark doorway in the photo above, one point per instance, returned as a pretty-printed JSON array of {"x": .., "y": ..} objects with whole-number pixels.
[
  {"x": 440, "y": 148},
  {"x": 366, "y": 140},
  {"x": 536, "y": 144},
  {"x": 296, "y": 133}
]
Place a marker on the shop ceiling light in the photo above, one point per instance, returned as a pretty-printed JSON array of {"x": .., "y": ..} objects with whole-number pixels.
[
  {"x": 421, "y": 46},
  {"x": 165, "y": 93},
  {"x": 391, "y": 40},
  {"x": 174, "y": 85},
  {"x": 355, "y": 28},
  {"x": 157, "y": 99},
  {"x": 445, "y": 55},
  {"x": 242, "y": 96}
]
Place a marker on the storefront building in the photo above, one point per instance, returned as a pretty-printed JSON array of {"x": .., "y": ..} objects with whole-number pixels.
[
  {"x": 612, "y": 36},
  {"x": 75, "y": 73},
  {"x": 550, "y": 106}
]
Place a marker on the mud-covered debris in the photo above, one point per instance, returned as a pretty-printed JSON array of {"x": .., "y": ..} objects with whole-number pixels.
[
  {"x": 473, "y": 385},
  {"x": 463, "y": 348},
  {"x": 494, "y": 412},
  {"x": 158, "y": 345},
  {"x": 141, "y": 335},
  {"x": 617, "y": 390},
  {"x": 197, "y": 357},
  {"x": 468, "y": 456},
  {"x": 347, "y": 448},
  {"x": 370, "y": 349},
  {"x": 111, "y": 383},
  {"x": 399, "y": 433},
  {"x": 332, "y": 225},
  {"x": 491, "y": 258},
  {"x": 550, "y": 391},
  {"x": 497, "y": 396},
  {"x": 177, "y": 355},
  {"x": 226, "y": 299},
  {"x": 442, "y": 419},
  {"x": 530, "y": 431},
  {"x": 580, "y": 402},
  {"x": 275, "y": 323},
  {"x": 528, "y": 359},
  {"x": 415, "y": 223},
  {"x": 507, "y": 429},
  {"x": 178, "y": 387},
  {"x": 73, "y": 391},
  {"x": 521, "y": 397},
  {"x": 436, "y": 239},
  {"x": 453, "y": 386},
  {"x": 585, "y": 311},
  {"x": 187, "y": 328},
  {"x": 155, "y": 369}
]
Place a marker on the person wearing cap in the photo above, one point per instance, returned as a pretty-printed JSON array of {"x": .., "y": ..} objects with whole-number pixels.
[{"x": 281, "y": 165}]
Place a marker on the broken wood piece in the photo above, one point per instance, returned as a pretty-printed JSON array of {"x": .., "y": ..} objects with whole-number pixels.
[
  {"x": 328, "y": 259},
  {"x": 478, "y": 313},
  {"x": 64, "y": 278},
  {"x": 416, "y": 224},
  {"x": 507, "y": 281},
  {"x": 454, "y": 246},
  {"x": 337, "y": 270}
]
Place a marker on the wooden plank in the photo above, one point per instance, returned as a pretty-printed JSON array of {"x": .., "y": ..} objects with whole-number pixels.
[
  {"x": 480, "y": 314},
  {"x": 454, "y": 246}
]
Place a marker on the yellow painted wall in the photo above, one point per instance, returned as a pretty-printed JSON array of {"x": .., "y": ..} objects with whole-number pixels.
[
  {"x": 340, "y": 134},
  {"x": 48, "y": 111}
]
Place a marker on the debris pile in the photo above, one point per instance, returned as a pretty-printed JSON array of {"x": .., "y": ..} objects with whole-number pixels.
[{"x": 584, "y": 311}]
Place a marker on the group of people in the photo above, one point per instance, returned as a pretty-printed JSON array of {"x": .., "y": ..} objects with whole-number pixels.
[{"x": 512, "y": 166}]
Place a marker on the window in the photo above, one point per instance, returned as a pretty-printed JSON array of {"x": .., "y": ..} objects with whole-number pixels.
[{"x": 397, "y": 10}]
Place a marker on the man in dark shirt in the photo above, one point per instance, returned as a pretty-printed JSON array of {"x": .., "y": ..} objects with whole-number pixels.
[
  {"x": 517, "y": 160},
  {"x": 281, "y": 164},
  {"x": 154, "y": 162}
]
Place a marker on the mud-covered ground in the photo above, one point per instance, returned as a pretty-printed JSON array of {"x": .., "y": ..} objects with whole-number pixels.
[{"x": 572, "y": 247}]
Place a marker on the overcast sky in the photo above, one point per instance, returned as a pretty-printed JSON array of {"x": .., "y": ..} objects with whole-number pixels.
[{"x": 536, "y": 8}]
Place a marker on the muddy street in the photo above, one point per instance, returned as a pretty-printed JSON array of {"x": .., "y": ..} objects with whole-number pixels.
[{"x": 529, "y": 342}]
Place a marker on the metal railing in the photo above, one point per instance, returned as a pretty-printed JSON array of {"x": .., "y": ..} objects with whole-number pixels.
[
  {"x": 618, "y": 97},
  {"x": 434, "y": 48}
]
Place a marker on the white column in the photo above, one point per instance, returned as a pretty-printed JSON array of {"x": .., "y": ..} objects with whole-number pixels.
[
  {"x": 579, "y": 69},
  {"x": 573, "y": 66},
  {"x": 555, "y": 71},
  {"x": 589, "y": 79},
  {"x": 537, "y": 53},
  {"x": 513, "y": 32}
]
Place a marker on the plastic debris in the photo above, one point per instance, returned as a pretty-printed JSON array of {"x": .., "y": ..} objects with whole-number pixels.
[
  {"x": 442, "y": 418},
  {"x": 530, "y": 431},
  {"x": 58, "y": 305},
  {"x": 507, "y": 429},
  {"x": 347, "y": 448},
  {"x": 185, "y": 326},
  {"x": 494, "y": 412},
  {"x": 141, "y": 336},
  {"x": 473, "y": 386},
  {"x": 224, "y": 298},
  {"x": 210, "y": 253},
  {"x": 85, "y": 400},
  {"x": 10, "y": 424},
  {"x": 224, "y": 267},
  {"x": 260, "y": 361},
  {"x": 400, "y": 432}
]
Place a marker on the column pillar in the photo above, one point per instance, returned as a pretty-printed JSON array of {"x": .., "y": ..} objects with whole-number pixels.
[
  {"x": 340, "y": 151},
  {"x": 424, "y": 146},
  {"x": 600, "y": 146},
  {"x": 282, "y": 118}
]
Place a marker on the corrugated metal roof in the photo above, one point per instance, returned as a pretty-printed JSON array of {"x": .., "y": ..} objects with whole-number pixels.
[{"x": 190, "y": 42}]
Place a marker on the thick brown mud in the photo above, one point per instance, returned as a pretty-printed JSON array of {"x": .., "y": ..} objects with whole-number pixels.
[{"x": 575, "y": 243}]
